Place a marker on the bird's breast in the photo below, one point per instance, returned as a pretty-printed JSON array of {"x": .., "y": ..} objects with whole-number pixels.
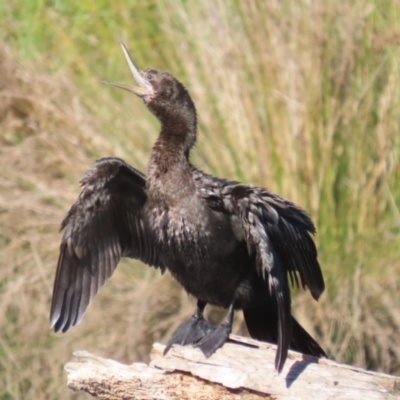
[
  {"x": 200, "y": 248},
  {"x": 188, "y": 224}
]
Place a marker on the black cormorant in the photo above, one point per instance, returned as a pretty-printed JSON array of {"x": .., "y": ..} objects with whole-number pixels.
[{"x": 228, "y": 244}]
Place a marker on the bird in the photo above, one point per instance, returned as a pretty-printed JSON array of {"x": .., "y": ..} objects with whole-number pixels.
[{"x": 228, "y": 244}]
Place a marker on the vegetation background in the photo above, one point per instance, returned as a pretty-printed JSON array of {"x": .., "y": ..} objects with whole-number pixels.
[{"x": 302, "y": 97}]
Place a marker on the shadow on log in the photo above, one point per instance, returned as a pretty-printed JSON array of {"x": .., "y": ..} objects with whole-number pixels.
[{"x": 241, "y": 369}]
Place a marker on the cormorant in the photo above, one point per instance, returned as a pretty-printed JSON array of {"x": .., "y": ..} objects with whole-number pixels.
[{"x": 228, "y": 244}]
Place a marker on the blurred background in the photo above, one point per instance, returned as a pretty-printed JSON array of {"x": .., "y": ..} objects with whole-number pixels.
[{"x": 301, "y": 97}]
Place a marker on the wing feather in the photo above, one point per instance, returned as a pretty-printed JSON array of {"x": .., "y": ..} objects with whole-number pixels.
[
  {"x": 279, "y": 234},
  {"x": 104, "y": 224},
  {"x": 271, "y": 268}
]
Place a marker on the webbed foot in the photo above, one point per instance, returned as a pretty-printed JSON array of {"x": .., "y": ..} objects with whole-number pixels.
[
  {"x": 215, "y": 339},
  {"x": 192, "y": 330}
]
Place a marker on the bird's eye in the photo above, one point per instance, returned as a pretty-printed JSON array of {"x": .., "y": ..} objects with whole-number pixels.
[{"x": 149, "y": 77}]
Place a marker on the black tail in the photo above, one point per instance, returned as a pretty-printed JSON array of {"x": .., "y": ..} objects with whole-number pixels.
[{"x": 262, "y": 324}]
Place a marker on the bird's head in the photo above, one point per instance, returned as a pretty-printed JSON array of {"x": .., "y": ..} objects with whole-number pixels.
[{"x": 164, "y": 95}]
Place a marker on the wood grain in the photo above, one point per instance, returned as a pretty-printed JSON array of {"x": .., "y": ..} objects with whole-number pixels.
[{"x": 242, "y": 369}]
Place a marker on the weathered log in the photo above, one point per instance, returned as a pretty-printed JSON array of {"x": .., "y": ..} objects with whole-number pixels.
[{"x": 241, "y": 369}]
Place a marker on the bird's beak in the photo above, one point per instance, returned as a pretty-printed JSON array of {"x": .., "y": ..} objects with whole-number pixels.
[{"x": 143, "y": 87}]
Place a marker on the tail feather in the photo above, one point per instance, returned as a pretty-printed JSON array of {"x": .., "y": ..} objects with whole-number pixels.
[
  {"x": 303, "y": 342},
  {"x": 262, "y": 324}
]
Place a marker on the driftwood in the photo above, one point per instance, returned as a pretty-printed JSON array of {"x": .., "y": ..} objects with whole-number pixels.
[{"x": 243, "y": 369}]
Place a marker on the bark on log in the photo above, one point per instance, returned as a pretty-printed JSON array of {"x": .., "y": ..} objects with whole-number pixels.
[{"x": 242, "y": 369}]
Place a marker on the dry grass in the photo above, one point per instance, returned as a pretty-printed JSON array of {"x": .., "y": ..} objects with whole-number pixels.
[{"x": 301, "y": 97}]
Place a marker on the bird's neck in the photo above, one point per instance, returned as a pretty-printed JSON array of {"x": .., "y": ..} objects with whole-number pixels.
[{"x": 170, "y": 154}]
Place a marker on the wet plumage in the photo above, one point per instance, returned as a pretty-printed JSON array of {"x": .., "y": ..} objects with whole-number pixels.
[{"x": 227, "y": 243}]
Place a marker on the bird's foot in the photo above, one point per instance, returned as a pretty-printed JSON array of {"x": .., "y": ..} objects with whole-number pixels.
[
  {"x": 215, "y": 339},
  {"x": 190, "y": 332}
]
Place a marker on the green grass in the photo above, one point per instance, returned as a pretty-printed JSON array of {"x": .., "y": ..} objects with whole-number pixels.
[{"x": 302, "y": 98}]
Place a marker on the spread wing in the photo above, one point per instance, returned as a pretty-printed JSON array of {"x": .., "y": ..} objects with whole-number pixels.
[
  {"x": 284, "y": 227},
  {"x": 103, "y": 225},
  {"x": 279, "y": 234}
]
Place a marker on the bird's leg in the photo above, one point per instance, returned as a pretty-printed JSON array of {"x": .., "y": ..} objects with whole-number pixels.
[
  {"x": 192, "y": 330},
  {"x": 217, "y": 337}
]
